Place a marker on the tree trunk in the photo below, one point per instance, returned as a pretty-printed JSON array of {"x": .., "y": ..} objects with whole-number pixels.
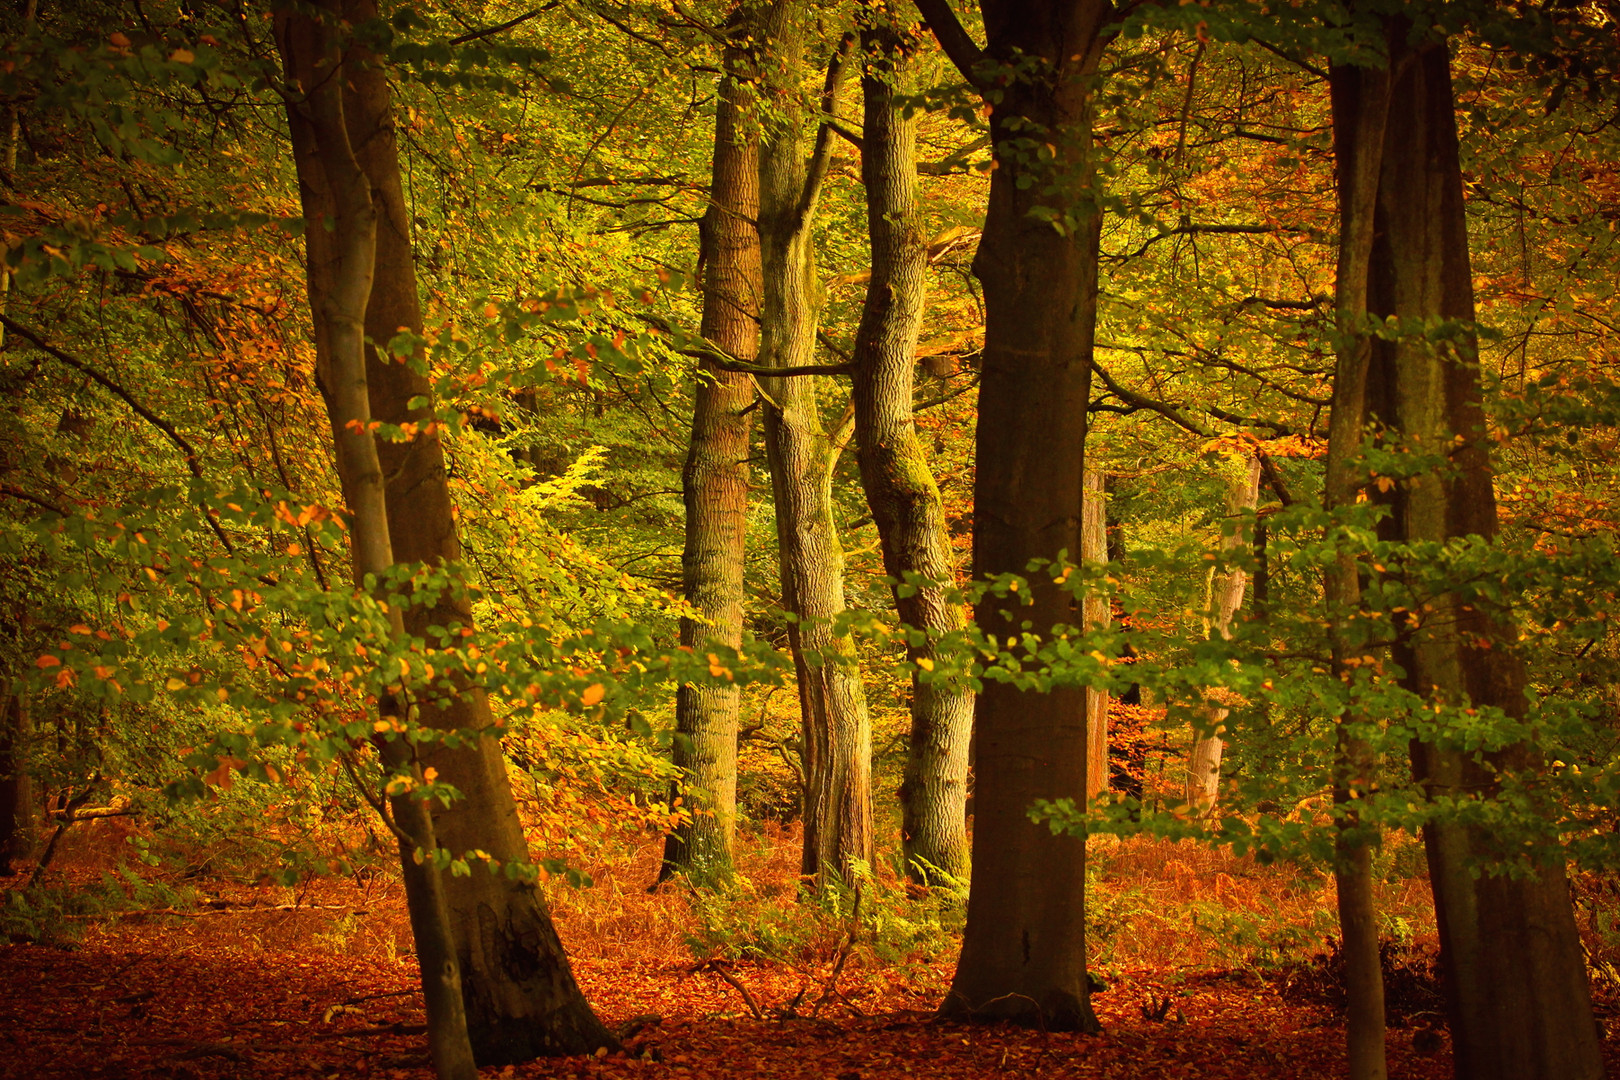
[
  {"x": 837, "y": 730},
  {"x": 520, "y": 995},
  {"x": 340, "y": 267},
  {"x": 1225, "y": 597},
  {"x": 1360, "y": 111},
  {"x": 16, "y": 785},
  {"x": 1519, "y": 1001},
  {"x": 1099, "y": 615},
  {"x": 1023, "y": 951},
  {"x": 900, "y": 489},
  {"x": 715, "y": 485}
]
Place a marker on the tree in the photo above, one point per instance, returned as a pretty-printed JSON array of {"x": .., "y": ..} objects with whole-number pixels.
[
  {"x": 714, "y": 481},
  {"x": 1515, "y": 979},
  {"x": 1225, "y": 597},
  {"x": 1023, "y": 951},
  {"x": 521, "y": 997},
  {"x": 899, "y": 486},
  {"x": 802, "y": 453},
  {"x": 334, "y": 187}
]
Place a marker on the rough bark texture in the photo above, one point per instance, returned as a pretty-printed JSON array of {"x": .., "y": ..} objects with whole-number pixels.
[
  {"x": 1519, "y": 1001},
  {"x": 1099, "y": 614},
  {"x": 837, "y": 730},
  {"x": 715, "y": 486},
  {"x": 340, "y": 269},
  {"x": 1225, "y": 597},
  {"x": 1023, "y": 952},
  {"x": 520, "y": 994},
  {"x": 900, "y": 488}
]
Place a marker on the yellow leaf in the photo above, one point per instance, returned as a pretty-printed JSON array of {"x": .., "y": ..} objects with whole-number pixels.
[
  {"x": 78, "y": 628},
  {"x": 174, "y": 684},
  {"x": 593, "y": 693},
  {"x": 925, "y": 663}
]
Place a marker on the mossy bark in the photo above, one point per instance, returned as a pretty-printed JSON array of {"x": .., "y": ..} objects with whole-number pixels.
[
  {"x": 900, "y": 488},
  {"x": 714, "y": 484}
]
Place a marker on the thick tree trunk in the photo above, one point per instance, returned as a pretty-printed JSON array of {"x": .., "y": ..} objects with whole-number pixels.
[
  {"x": 715, "y": 485},
  {"x": 837, "y": 730},
  {"x": 340, "y": 268},
  {"x": 1519, "y": 1001},
  {"x": 1099, "y": 615},
  {"x": 1225, "y": 597},
  {"x": 1023, "y": 952},
  {"x": 900, "y": 489},
  {"x": 520, "y": 995}
]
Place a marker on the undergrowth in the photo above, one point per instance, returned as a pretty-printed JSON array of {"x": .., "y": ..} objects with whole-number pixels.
[{"x": 59, "y": 914}]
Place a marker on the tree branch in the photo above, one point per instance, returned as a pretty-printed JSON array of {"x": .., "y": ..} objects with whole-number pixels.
[
  {"x": 478, "y": 35},
  {"x": 186, "y": 449},
  {"x": 952, "y": 37}
]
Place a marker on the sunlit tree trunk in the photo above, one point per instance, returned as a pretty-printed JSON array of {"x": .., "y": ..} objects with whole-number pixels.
[
  {"x": 900, "y": 489},
  {"x": 1520, "y": 1005},
  {"x": 1023, "y": 951},
  {"x": 521, "y": 1000},
  {"x": 715, "y": 486},
  {"x": 1225, "y": 598},
  {"x": 1099, "y": 615},
  {"x": 341, "y": 260},
  {"x": 802, "y": 453}
]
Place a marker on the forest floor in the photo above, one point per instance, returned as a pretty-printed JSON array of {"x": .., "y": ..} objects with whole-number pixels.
[{"x": 263, "y": 982}]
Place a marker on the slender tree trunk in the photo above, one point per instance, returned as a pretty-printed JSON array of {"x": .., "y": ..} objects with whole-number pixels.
[
  {"x": 715, "y": 486},
  {"x": 1099, "y": 615},
  {"x": 1360, "y": 113},
  {"x": 1023, "y": 951},
  {"x": 1520, "y": 1005},
  {"x": 16, "y": 785},
  {"x": 340, "y": 270},
  {"x": 521, "y": 1000},
  {"x": 900, "y": 489},
  {"x": 1226, "y": 597},
  {"x": 801, "y": 452}
]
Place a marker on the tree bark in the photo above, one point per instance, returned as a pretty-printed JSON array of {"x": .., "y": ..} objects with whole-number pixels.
[
  {"x": 1519, "y": 1001},
  {"x": 340, "y": 269},
  {"x": 900, "y": 488},
  {"x": 1023, "y": 951},
  {"x": 521, "y": 999},
  {"x": 801, "y": 452},
  {"x": 16, "y": 785},
  {"x": 1225, "y": 598},
  {"x": 1099, "y": 615},
  {"x": 715, "y": 485},
  {"x": 1360, "y": 99}
]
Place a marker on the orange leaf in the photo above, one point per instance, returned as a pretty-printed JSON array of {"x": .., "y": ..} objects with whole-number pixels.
[
  {"x": 49, "y": 661},
  {"x": 593, "y": 693}
]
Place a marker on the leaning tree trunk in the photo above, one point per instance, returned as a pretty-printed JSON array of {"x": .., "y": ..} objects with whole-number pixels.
[
  {"x": 521, "y": 997},
  {"x": 715, "y": 485},
  {"x": 1023, "y": 951},
  {"x": 1360, "y": 112},
  {"x": 900, "y": 489},
  {"x": 801, "y": 453},
  {"x": 1226, "y": 596},
  {"x": 1520, "y": 1005},
  {"x": 334, "y": 188}
]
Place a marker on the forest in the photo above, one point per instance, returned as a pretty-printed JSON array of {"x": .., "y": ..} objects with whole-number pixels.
[{"x": 775, "y": 538}]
